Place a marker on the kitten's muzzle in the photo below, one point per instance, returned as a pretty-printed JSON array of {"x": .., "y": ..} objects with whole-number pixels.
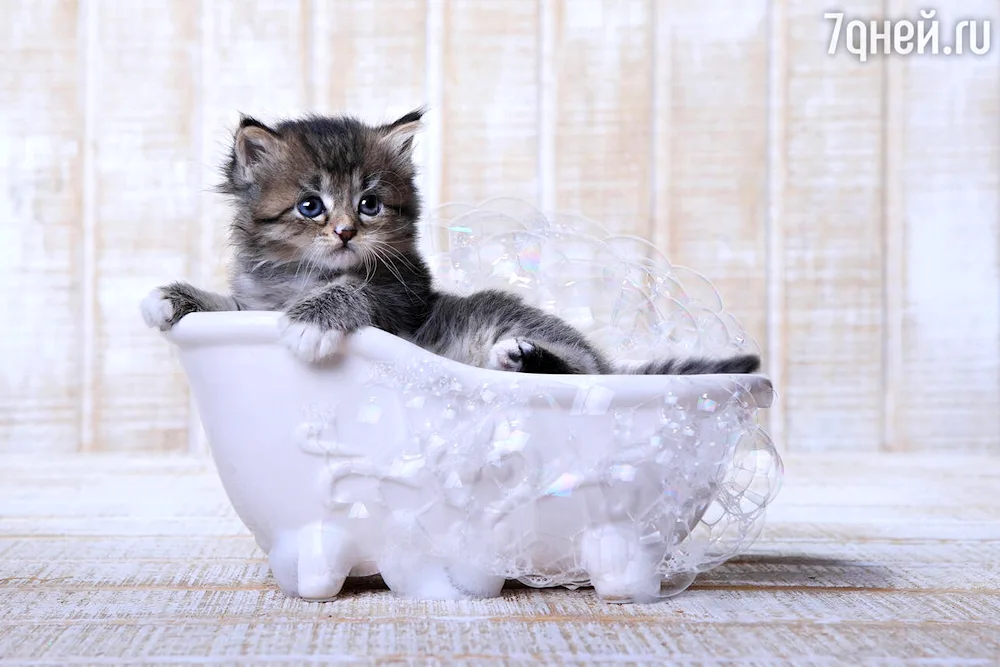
[{"x": 345, "y": 232}]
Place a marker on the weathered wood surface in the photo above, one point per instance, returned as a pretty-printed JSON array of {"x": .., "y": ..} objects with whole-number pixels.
[
  {"x": 831, "y": 242},
  {"x": 945, "y": 276},
  {"x": 143, "y": 147},
  {"x": 41, "y": 229},
  {"x": 865, "y": 560}
]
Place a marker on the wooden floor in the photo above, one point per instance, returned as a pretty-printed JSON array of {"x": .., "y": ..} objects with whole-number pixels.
[{"x": 865, "y": 560}]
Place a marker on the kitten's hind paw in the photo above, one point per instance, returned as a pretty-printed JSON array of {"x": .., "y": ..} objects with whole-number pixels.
[
  {"x": 158, "y": 310},
  {"x": 519, "y": 355},
  {"x": 508, "y": 355},
  {"x": 309, "y": 342}
]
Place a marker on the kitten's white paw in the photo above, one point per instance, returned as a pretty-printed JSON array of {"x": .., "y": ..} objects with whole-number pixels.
[
  {"x": 508, "y": 355},
  {"x": 309, "y": 342},
  {"x": 157, "y": 311}
]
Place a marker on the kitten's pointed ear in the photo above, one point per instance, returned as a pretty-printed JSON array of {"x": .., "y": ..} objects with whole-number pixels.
[
  {"x": 254, "y": 142},
  {"x": 399, "y": 133}
]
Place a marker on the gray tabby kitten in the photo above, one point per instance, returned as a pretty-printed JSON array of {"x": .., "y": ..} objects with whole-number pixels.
[{"x": 325, "y": 231}]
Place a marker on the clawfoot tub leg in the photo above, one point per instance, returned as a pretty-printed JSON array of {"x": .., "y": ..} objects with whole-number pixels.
[
  {"x": 429, "y": 578},
  {"x": 313, "y": 562},
  {"x": 620, "y": 568}
]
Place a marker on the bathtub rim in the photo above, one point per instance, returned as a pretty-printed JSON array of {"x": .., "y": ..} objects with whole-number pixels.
[{"x": 260, "y": 327}]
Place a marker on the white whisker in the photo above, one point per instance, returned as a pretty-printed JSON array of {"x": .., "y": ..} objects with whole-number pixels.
[{"x": 381, "y": 250}]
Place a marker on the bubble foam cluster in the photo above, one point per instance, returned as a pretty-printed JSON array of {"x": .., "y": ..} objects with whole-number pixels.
[
  {"x": 618, "y": 289},
  {"x": 632, "y": 485}
]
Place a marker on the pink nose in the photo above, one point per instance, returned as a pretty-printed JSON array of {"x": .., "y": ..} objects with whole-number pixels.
[{"x": 345, "y": 233}]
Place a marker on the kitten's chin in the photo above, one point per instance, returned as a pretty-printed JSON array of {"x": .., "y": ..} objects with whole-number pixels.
[{"x": 340, "y": 259}]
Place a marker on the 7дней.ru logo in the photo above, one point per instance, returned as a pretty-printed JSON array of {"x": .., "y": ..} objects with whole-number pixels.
[{"x": 864, "y": 38}]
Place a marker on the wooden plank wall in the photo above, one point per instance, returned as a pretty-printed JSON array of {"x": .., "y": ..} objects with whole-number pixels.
[{"x": 848, "y": 212}]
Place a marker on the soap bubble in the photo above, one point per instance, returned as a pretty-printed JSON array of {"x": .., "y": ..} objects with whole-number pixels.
[
  {"x": 699, "y": 291},
  {"x": 618, "y": 289},
  {"x": 639, "y": 251},
  {"x": 517, "y": 209},
  {"x": 511, "y": 261}
]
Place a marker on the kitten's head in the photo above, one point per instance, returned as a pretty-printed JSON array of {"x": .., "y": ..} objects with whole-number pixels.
[{"x": 333, "y": 193}]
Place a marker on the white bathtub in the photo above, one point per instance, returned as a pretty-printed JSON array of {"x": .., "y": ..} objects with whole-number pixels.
[{"x": 448, "y": 479}]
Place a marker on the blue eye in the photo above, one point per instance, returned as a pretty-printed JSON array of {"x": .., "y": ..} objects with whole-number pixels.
[
  {"x": 370, "y": 205},
  {"x": 311, "y": 207}
]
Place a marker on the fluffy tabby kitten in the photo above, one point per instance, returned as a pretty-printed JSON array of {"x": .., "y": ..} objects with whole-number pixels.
[{"x": 325, "y": 231}]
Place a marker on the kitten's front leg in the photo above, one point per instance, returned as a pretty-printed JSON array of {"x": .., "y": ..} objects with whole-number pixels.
[
  {"x": 314, "y": 326},
  {"x": 165, "y": 306}
]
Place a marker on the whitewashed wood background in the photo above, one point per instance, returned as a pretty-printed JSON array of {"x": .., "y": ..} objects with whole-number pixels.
[{"x": 848, "y": 212}]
